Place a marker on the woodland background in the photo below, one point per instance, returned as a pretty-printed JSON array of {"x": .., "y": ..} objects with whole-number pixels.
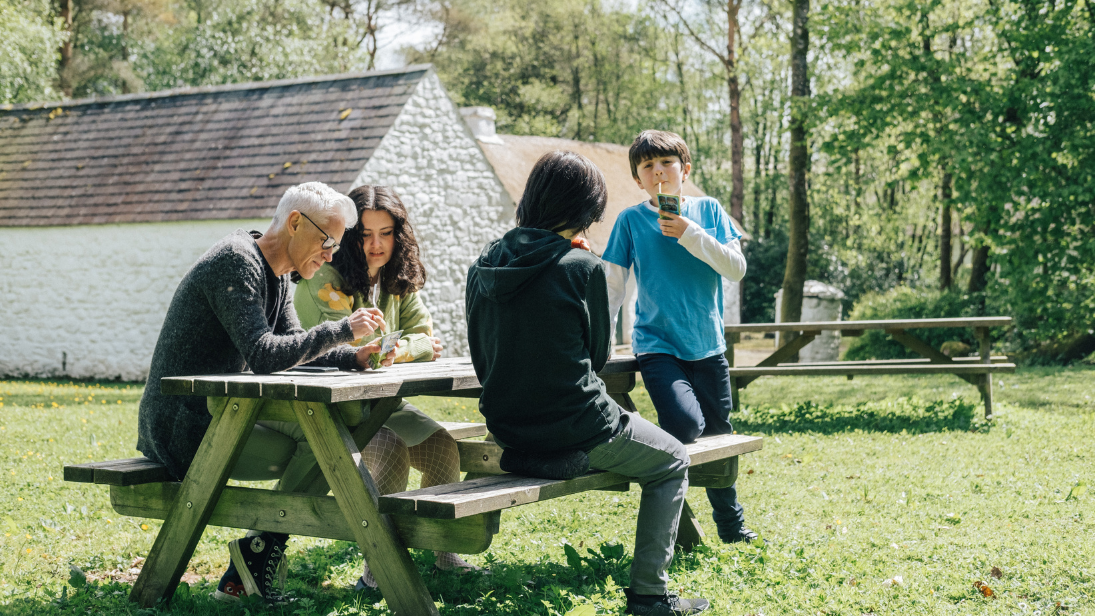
[{"x": 947, "y": 149}]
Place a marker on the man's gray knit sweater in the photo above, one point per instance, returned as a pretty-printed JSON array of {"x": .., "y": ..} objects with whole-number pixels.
[{"x": 230, "y": 312}]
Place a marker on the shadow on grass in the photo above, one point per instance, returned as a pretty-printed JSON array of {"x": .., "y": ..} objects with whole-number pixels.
[
  {"x": 593, "y": 575},
  {"x": 911, "y": 415}
]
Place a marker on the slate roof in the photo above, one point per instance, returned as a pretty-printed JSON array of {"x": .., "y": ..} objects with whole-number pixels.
[{"x": 221, "y": 152}]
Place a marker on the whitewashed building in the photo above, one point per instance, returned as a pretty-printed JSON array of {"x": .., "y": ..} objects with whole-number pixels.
[{"x": 105, "y": 203}]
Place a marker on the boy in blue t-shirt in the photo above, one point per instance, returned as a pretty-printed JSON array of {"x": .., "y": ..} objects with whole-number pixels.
[{"x": 678, "y": 336}]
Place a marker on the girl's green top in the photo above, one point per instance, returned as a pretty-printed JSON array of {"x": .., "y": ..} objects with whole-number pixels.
[{"x": 321, "y": 299}]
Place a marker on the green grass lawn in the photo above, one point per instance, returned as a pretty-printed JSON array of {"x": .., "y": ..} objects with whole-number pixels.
[{"x": 860, "y": 483}]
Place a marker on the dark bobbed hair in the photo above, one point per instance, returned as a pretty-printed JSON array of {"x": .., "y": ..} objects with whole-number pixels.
[
  {"x": 403, "y": 273},
  {"x": 564, "y": 191},
  {"x": 654, "y": 143}
]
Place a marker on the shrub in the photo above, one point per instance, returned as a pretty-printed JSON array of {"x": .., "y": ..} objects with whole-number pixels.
[{"x": 907, "y": 303}]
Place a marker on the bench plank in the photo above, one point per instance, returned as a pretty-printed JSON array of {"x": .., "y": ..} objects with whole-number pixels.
[
  {"x": 127, "y": 472},
  {"x": 996, "y": 359},
  {"x": 838, "y": 370},
  {"x": 862, "y": 325},
  {"x": 459, "y": 430},
  {"x": 457, "y": 500},
  {"x": 313, "y": 516}
]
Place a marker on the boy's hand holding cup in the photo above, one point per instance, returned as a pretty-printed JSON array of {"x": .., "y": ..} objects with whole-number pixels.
[
  {"x": 672, "y": 225},
  {"x": 669, "y": 209}
]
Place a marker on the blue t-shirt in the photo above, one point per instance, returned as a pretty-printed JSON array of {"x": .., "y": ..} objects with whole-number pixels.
[{"x": 679, "y": 308}]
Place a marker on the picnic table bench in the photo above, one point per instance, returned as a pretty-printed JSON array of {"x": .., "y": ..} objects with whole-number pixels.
[
  {"x": 460, "y": 517},
  {"x": 977, "y": 371}
]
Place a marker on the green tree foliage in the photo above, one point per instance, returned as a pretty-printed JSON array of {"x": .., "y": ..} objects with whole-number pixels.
[
  {"x": 247, "y": 40},
  {"x": 1000, "y": 97},
  {"x": 29, "y": 38}
]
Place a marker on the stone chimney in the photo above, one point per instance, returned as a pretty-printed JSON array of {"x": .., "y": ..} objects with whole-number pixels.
[{"x": 481, "y": 122}]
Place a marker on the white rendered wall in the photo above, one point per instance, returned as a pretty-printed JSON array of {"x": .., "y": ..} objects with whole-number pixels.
[
  {"x": 88, "y": 301},
  {"x": 455, "y": 200}
]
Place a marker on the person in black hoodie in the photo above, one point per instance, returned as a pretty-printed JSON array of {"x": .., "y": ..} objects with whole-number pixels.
[{"x": 538, "y": 331}]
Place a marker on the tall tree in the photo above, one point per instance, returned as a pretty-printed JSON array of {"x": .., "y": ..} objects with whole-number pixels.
[
  {"x": 799, "y": 211},
  {"x": 729, "y": 61}
]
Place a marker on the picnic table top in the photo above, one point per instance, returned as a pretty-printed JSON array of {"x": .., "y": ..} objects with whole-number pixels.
[
  {"x": 862, "y": 325},
  {"x": 409, "y": 379}
]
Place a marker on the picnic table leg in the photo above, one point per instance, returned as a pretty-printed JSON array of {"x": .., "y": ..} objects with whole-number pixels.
[
  {"x": 689, "y": 532},
  {"x": 356, "y": 494},
  {"x": 986, "y": 358},
  {"x": 198, "y": 496}
]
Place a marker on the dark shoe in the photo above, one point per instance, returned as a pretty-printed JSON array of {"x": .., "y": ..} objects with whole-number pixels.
[
  {"x": 668, "y": 604},
  {"x": 231, "y": 587},
  {"x": 744, "y": 535},
  {"x": 260, "y": 563}
]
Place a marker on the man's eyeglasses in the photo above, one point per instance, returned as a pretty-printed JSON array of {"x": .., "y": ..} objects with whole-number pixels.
[{"x": 329, "y": 242}]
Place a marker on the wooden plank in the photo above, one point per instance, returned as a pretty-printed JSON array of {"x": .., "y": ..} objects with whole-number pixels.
[
  {"x": 460, "y": 430},
  {"x": 480, "y": 457},
  {"x": 784, "y": 353},
  {"x": 503, "y": 491},
  {"x": 80, "y": 473},
  {"x": 925, "y": 350},
  {"x": 718, "y": 474},
  {"x": 619, "y": 383},
  {"x": 312, "y": 516},
  {"x": 134, "y": 472},
  {"x": 198, "y": 495},
  {"x": 916, "y": 361},
  {"x": 689, "y": 532},
  {"x": 449, "y": 376},
  {"x": 453, "y": 501},
  {"x": 868, "y": 370},
  {"x": 863, "y": 325},
  {"x": 356, "y": 494}
]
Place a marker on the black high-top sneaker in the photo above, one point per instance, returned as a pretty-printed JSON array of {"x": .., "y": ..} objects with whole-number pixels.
[
  {"x": 230, "y": 588},
  {"x": 260, "y": 562},
  {"x": 668, "y": 604}
]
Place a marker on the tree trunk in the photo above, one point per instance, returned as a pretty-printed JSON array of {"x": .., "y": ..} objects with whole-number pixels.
[
  {"x": 67, "y": 47},
  {"x": 799, "y": 211},
  {"x": 979, "y": 269},
  {"x": 945, "y": 225},
  {"x": 758, "y": 153},
  {"x": 737, "y": 173}
]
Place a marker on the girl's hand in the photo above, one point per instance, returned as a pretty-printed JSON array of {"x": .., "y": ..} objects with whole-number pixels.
[
  {"x": 580, "y": 242},
  {"x": 365, "y": 321},
  {"x": 437, "y": 348},
  {"x": 675, "y": 226}
]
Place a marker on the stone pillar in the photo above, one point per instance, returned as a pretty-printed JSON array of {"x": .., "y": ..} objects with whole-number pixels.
[{"x": 820, "y": 302}]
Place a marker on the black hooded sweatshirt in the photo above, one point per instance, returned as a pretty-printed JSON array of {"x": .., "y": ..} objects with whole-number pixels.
[{"x": 538, "y": 329}]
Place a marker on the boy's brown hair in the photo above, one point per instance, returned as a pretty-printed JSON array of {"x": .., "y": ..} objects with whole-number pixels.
[{"x": 654, "y": 143}]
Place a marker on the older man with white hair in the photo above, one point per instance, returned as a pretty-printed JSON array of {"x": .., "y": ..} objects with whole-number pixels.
[{"x": 233, "y": 310}]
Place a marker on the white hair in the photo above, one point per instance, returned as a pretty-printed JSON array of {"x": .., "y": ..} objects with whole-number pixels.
[{"x": 317, "y": 200}]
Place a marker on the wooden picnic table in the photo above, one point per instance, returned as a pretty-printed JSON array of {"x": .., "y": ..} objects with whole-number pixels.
[
  {"x": 976, "y": 370},
  {"x": 460, "y": 517}
]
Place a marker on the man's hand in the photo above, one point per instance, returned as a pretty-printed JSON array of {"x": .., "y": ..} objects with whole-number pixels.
[
  {"x": 365, "y": 321},
  {"x": 364, "y": 351},
  {"x": 437, "y": 348},
  {"x": 675, "y": 226}
]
